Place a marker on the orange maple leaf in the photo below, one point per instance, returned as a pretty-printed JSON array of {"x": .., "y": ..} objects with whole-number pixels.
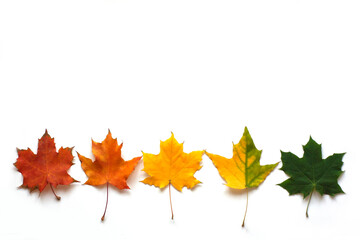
[
  {"x": 109, "y": 167},
  {"x": 172, "y": 167},
  {"x": 47, "y": 166}
]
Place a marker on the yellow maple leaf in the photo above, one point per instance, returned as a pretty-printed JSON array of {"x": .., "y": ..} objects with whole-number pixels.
[
  {"x": 243, "y": 170},
  {"x": 172, "y": 166}
]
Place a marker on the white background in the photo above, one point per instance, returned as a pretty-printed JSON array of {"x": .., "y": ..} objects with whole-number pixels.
[{"x": 201, "y": 69}]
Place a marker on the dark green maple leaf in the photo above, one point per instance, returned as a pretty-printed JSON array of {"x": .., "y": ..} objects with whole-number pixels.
[{"x": 312, "y": 173}]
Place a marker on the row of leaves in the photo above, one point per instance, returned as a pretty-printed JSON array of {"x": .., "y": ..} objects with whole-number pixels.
[{"x": 174, "y": 167}]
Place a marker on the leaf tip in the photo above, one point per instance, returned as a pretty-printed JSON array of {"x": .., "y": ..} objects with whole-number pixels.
[
  {"x": 246, "y": 130},
  {"x": 312, "y": 141}
]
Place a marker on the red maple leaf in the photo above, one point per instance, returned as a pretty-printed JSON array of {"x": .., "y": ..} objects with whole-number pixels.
[{"x": 47, "y": 166}]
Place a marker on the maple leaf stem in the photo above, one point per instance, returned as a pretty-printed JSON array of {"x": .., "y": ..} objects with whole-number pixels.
[
  {"x": 172, "y": 213},
  {"x": 307, "y": 208},
  {"x": 107, "y": 200},
  {"x": 52, "y": 189},
  {"x": 247, "y": 201}
]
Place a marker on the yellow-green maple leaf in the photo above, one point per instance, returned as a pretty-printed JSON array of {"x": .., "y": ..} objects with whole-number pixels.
[{"x": 243, "y": 170}]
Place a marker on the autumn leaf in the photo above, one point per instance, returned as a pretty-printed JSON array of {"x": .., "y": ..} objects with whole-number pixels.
[
  {"x": 45, "y": 167},
  {"x": 311, "y": 173},
  {"x": 172, "y": 167},
  {"x": 109, "y": 167},
  {"x": 243, "y": 170}
]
